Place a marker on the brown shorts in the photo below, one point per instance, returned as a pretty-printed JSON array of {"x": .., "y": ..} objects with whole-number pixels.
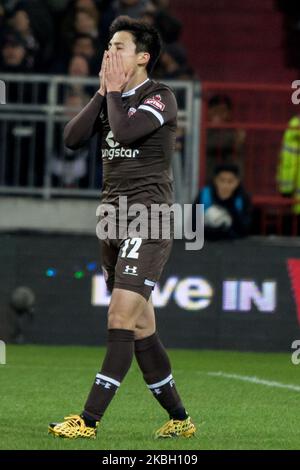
[{"x": 134, "y": 264}]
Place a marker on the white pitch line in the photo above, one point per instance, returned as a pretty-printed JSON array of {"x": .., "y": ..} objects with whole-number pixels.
[{"x": 255, "y": 380}]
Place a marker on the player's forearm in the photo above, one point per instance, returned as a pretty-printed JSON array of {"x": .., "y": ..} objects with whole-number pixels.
[
  {"x": 83, "y": 126},
  {"x": 125, "y": 129}
]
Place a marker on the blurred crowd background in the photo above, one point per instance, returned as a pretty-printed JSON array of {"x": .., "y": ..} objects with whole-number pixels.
[
  {"x": 231, "y": 65},
  {"x": 69, "y": 36}
]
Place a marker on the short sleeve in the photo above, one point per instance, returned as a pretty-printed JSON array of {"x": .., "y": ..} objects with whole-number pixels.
[{"x": 161, "y": 105}]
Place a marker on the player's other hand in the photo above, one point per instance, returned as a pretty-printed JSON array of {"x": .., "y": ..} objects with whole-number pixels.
[
  {"x": 116, "y": 78},
  {"x": 102, "y": 89}
]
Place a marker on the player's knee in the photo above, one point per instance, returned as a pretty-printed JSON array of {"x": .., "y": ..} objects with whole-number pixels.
[
  {"x": 117, "y": 320},
  {"x": 144, "y": 332}
]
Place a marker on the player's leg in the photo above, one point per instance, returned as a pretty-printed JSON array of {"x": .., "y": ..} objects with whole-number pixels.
[
  {"x": 146, "y": 323},
  {"x": 124, "y": 310},
  {"x": 125, "y": 307},
  {"x": 155, "y": 365}
]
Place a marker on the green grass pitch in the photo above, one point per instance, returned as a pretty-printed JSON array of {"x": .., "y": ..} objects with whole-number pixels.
[{"x": 42, "y": 384}]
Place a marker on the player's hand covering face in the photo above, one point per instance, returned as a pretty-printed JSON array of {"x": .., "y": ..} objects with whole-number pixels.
[
  {"x": 116, "y": 78},
  {"x": 102, "y": 89}
]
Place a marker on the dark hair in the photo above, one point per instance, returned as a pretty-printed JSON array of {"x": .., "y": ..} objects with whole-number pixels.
[
  {"x": 146, "y": 38},
  {"x": 228, "y": 167},
  {"x": 216, "y": 100}
]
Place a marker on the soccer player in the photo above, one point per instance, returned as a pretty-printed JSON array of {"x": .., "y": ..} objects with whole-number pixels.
[{"x": 136, "y": 118}]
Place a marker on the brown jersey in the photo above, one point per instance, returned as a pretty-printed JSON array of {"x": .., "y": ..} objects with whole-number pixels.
[
  {"x": 138, "y": 164},
  {"x": 137, "y": 141},
  {"x": 138, "y": 132}
]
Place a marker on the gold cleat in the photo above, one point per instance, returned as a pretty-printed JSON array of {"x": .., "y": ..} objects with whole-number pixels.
[
  {"x": 71, "y": 428},
  {"x": 176, "y": 428}
]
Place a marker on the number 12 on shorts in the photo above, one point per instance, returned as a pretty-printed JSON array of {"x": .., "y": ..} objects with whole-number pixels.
[{"x": 131, "y": 247}]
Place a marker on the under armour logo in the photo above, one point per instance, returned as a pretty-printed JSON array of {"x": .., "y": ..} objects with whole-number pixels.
[
  {"x": 130, "y": 270},
  {"x": 106, "y": 385},
  {"x": 157, "y": 391}
]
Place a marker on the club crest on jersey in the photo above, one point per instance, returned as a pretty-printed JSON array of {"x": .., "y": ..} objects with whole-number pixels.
[
  {"x": 156, "y": 102},
  {"x": 131, "y": 111}
]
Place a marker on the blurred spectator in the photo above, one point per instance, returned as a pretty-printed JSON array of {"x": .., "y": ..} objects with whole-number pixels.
[
  {"x": 86, "y": 23},
  {"x": 20, "y": 22},
  {"x": 78, "y": 67},
  {"x": 288, "y": 172},
  {"x": 223, "y": 145},
  {"x": 169, "y": 27},
  {"x": 227, "y": 207},
  {"x": 2, "y": 13},
  {"x": 57, "y": 5},
  {"x": 14, "y": 56},
  {"x": 132, "y": 8},
  {"x": 32, "y": 20},
  {"x": 173, "y": 64},
  {"x": 91, "y": 49},
  {"x": 149, "y": 17},
  {"x": 70, "y": 168},
  {"x": 161, "y": 4},
  {"x": 87, "y": 5},
  {"x": 84, "y": 45},
  {"x": 81, "y": 27},
  {"x": 80, "y": 20}
]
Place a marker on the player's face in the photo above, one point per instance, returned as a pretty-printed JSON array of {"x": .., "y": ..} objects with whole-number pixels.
[
  {"x": 226, "y": 183},
  {"x": 123, "y": 42}
]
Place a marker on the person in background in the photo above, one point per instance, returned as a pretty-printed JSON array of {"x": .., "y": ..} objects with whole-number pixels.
[
  {"x": 85, "y": 45},
  {"x": 227, "y": 207},
  {"x": 20, "y": 22},
  {"x": 77, "y": 21},
  {"x": 86, "y": 23},
  {"x": 69, "y": 168},
  {"x": 173, "y": 63},
  {"x": 14, "y": 57},
  {"x": 33, "y": 21},
  {"x": 223, "y": 145},
  {"x": 78, "y": 66},
  {"x": 132, "y": 8},
  {"x": 288, "y": 171}
]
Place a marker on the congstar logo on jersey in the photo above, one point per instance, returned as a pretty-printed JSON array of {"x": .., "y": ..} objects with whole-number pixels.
[{"x": 116, "y": 151}]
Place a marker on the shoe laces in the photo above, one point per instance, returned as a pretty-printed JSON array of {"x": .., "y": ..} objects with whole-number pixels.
[{"x": 73, "y": 420}]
